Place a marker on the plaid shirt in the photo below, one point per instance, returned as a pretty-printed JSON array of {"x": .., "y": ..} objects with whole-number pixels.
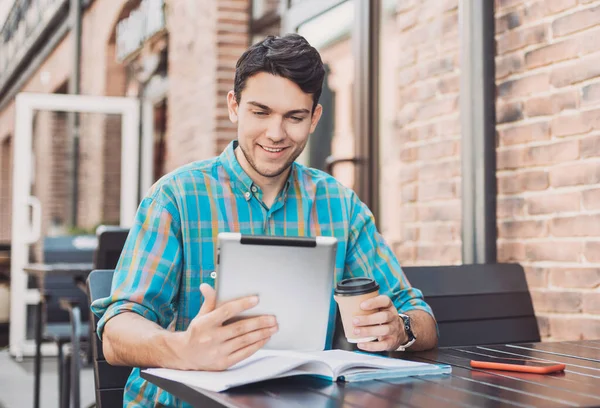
[{"x": 171, "y": 248}]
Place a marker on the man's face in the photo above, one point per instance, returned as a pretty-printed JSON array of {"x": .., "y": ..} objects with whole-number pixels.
[{"x": 274, "y": 122}]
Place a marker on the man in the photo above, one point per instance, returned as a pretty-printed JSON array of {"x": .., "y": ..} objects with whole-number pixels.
[{"x": 162, "y": 310}]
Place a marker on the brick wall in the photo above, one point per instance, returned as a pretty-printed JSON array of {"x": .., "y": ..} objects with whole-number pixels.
[
  {"x": 548, "y": 78},
  {"x": 205, "y": 40},
  {"x": 424, "y": 152}
]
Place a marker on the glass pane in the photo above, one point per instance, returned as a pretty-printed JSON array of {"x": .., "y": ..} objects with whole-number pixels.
[
  {"x": 420, "y": 179},
  {"x": 331, "y": 34}
]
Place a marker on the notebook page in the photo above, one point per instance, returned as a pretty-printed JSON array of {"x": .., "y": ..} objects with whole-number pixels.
[
  {"x": 261, "y": 366},
  {"x": 340, "y": 361}
]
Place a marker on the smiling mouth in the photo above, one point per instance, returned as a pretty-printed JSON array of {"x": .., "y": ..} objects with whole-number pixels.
[{"x": 271, "y": 149}]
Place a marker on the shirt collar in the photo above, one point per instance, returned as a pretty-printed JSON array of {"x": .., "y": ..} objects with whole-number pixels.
[{"x": 239, "y": 178}]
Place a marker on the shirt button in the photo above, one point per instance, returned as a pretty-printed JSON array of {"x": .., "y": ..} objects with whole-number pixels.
[
  {"x": 213, "y": 275},
  {"x": 247, "y": 195},
  {"x": 254, "y": 189}
]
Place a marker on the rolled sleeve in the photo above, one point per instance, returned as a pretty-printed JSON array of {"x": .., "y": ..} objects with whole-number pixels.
[
  {"x": 146, "y": 278},
  {"x": 369, "y": 255}
]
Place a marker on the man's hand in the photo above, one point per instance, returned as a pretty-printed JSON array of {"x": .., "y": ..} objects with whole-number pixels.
[
  {"x": 385, "y": 324},
  {"x": 209, "y": 345}
]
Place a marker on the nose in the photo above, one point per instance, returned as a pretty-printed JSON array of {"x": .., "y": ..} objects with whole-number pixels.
[{"x": 275, "y": 131}]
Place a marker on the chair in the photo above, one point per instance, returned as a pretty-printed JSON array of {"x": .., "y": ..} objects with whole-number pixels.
[
  {"x": 110, "y": 244},
  {"x": 109, "y": 380},
  {"x": 478, "y": 304}
]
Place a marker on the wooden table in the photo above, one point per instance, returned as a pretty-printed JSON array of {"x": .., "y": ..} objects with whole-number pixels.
[
  {"x": 578, "y": 385},
  {"x": 79, "y": 272}
]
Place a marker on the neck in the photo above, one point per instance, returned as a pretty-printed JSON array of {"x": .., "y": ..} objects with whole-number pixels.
[{"x": 270, "y": 186}]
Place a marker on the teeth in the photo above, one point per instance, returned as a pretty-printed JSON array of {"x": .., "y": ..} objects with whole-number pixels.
[{"x": 272, "y": 150}]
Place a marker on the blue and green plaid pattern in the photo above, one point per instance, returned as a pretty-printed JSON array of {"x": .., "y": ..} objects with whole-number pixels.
[{"x": 171, "y": 248}]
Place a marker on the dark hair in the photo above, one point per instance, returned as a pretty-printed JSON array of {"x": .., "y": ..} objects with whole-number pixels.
[{"x": 290, "y": 56}]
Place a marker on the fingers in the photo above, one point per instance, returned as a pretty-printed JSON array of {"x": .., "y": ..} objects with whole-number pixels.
[
  {"x": 210, "y": 299},
  {"x": 385, "y": 316},
  {"x": 384, "y": 344},
  {"x": 238, "y": 343},
  {"x": 378, "y": 302},
  {"x": 248, "y": 325},
  {"x": 245, "y": 352},
  {"x": 234, "y": 308},
  {"x": 375, "y": 331}
]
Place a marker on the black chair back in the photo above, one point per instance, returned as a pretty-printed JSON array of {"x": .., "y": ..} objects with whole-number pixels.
[
  {"x": 478, "y": 304},
  {"x": 110, "y": 244},
  {"x": 109, "y": 380}
]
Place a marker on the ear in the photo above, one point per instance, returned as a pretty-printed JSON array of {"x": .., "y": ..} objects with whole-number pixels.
[
  {"x": 316, "y": 116},
  {"x": 232, "y": 107}
]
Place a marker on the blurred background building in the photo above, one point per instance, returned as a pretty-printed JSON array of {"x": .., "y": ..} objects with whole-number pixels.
[{"x": 391, "y": 129}]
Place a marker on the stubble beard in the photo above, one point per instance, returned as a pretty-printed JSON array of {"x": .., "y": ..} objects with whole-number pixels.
[{"x": 275, "y": 173}]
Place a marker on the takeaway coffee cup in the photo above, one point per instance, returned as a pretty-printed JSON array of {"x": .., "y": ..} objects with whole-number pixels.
[{"x": 349, "y": 294}]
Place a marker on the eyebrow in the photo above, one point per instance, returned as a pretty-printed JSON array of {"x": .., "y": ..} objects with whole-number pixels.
[{"x": 289, "y": 113}]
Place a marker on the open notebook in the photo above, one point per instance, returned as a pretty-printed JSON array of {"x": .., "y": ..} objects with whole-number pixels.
[{"x": 334, "y": 365}]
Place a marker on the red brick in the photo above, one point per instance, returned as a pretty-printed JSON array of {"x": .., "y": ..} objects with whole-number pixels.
[
  {"x": 509, "y": 112},
  {"x": 524, "y": 86},
  {"x": 439, "y": 254},
  {"x": 590, "y": 94},
  {"x": 508, "y": 21},
  {"x": 555, "y": 6},
  {"x": 407, "y": 20},
  {"x": 521, "y": 38},
  {"x": 527, "y": 181},
  {"x": 555, "y": 250},
  {"x": 576, "y": 21},
  {"x": 406, "y": 115},
  {"x": 590, "y": 146},
  {"x": 408, "y": 174},
  {"x": 550, "y": 105},
  {"x": 437, "y": 150},
  {"x": 588, "y": 41},
  {"x": 573, "y": 124},
  {"x": 510, "y": 207},
  {"x": 510, "y": 159},
  {"x": 583, "y": 69},
  {"x": 552, "y": 153},
  {"x": 536, "y": 277},
  {"x": 543, "y": 326},
  {"x": 509, "y": 64},
  {"x": 553, "y": 203},
  {"x": 585, "y": 278},
  {"x": 591, "y": 199},
  {"x": 409, "y": 193},
  {"x": 522, "y": 229},
  {"x": 438, "y": 233},
  {"x": 533, "y": 132},
  {"x": 448, "y": 211},
  {"x": 437, "y": 190},
  {"x": 406, "y": 253},
  {"x": 574, "y": 328},
  {"x": 552, "y": 53},
  {"x": 556, "y": 302},
  {"x": 575, "y": 174},
  {"x": 591, "y": 303},
  {"x": 576, "y": 226},
  {"x": 437, "y": 108},
  {"x": 449, "y": 84},
  {"x": 592, "y": 251},
  {"x": 511, "y": 251},
  {"x": 505, "y": 4},
  {"x": 439, "y": 169},
  {"x": 408, "y": 154},
  {"x": 410, "y": 233}
]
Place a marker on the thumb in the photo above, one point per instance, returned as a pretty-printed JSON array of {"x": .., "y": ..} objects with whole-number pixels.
[{"x": 210, "y": 299}]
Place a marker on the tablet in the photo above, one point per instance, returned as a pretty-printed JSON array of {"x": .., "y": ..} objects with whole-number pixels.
[{"x": 293, "y": 278}]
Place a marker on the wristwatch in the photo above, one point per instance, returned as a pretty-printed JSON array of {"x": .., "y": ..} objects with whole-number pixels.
[{"x": 408, "y": 329}]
